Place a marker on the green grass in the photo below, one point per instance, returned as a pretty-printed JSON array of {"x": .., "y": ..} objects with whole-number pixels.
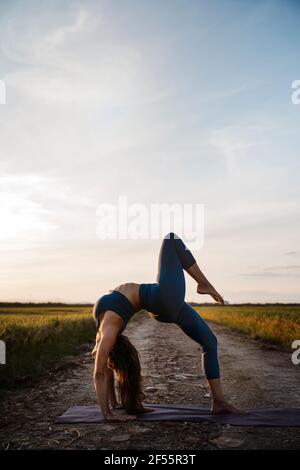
[
  {"x": 38, "y": 337},
  {"x": 278, "y": 324}
]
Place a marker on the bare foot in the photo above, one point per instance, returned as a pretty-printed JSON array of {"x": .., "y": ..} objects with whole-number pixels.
[
  {"x": 225, "y": 408},
  {"x": 201, "y": 289}
]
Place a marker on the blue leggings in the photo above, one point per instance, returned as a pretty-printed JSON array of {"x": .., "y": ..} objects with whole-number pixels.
[{"x": 169, "y": 304}]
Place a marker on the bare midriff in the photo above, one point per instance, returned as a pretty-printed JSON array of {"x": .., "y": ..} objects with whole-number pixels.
[{"x": 131, "y": 291}]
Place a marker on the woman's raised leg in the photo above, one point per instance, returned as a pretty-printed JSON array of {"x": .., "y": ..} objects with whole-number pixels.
[{"x": 173, "y": 258}]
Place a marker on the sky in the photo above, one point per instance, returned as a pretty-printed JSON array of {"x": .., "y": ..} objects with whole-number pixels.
[{"x": 162, "y": 103}]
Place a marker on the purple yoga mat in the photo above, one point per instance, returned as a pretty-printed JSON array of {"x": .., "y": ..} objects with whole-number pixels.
[{"x": 191, "y": 413}]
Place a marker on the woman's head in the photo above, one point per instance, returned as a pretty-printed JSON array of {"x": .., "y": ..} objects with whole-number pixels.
[{"x": 124, "y": 360}]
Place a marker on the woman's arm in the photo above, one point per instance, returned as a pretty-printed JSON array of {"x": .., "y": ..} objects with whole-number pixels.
[
  {"x": 102, "y": 377},
  {"x": 111, "y": 389},
  {"x": 111, "y": 381},
  {"x": 101, "y": 371}
]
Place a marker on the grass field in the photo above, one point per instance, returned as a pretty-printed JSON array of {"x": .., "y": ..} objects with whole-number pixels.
[
  {"x": 279, "y": 324},
  {"x": 38, "y": 336}
]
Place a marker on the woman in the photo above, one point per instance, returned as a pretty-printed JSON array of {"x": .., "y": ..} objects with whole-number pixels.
[{"x": 164, "y": 300}]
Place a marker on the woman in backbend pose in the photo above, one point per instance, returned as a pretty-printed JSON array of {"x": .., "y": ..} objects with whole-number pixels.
[{"x": 165, "y": 301}]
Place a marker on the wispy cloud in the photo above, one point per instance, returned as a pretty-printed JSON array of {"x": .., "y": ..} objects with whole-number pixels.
[
  {"x": 226, "y": 93},
  {"x": 32, "y": 205},
  {"x": 43, "y": 43},
  {"x": 234, "y": 142},
  {"x": 291, "y": 253},
  {"x": 292, "y": 271},
  {"x": 106, "y": 99},
  {"x": 282, "y": 268},
  {"x": 81, "y": 23},
  {"x": 108, "y": 74}
]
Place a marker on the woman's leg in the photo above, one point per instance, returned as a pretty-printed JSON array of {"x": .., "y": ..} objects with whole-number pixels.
[
  {"x": 196, "y": 328},
  {"x": 173, "y": 258}
]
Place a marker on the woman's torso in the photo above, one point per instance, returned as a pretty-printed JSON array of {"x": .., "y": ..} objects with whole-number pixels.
[
  {"x": 140, "y": 296},
  {"x": 131, "y": 291}
]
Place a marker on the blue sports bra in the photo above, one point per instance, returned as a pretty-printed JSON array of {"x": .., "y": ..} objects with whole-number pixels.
[{"x": 116, "y": 302}]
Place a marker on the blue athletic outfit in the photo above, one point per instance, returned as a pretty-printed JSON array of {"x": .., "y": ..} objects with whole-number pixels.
[{"x": 165, "y": 299}]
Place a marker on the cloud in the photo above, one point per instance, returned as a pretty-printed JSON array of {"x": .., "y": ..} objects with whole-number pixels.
[
  {"x": 275, "y": 271},
  {"x": 270, "y": 274},
  {"x": 280, "y": 268},
  {"x": 81, "y": 23},
  {"x": 229, "y": 92},
  {"x": 78, "y": 62},
  {"x": 113, "y": 103},
  {"x": 33, "y": 205},
  {"x": 49, "y": 70},
  {"x": 42, "y": 42},
  {"x": 22, "y": 217},
  {"x": 253, "y": 220},
  {"x": 234, "y": 142}
]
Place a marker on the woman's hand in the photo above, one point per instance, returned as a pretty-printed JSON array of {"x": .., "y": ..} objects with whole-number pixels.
[{"x": 101, "y": 372}]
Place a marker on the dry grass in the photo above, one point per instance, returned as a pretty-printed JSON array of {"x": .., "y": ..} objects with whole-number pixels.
[
  {"x": 38, "y": 337},
  {"x": 279, "y": 324}
]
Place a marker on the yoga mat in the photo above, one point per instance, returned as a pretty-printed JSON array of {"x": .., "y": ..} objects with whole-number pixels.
[{"x": 191, "y": 413}]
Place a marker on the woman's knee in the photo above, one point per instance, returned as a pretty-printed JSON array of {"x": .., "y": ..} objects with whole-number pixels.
[{"x": 210, "y": 343}]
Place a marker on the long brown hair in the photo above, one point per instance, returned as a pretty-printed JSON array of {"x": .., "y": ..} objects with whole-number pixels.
[{"x": 124, "y": 360}]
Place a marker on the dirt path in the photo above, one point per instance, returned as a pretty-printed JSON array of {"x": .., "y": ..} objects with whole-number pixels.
[{"x": 254, "y": 376}]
